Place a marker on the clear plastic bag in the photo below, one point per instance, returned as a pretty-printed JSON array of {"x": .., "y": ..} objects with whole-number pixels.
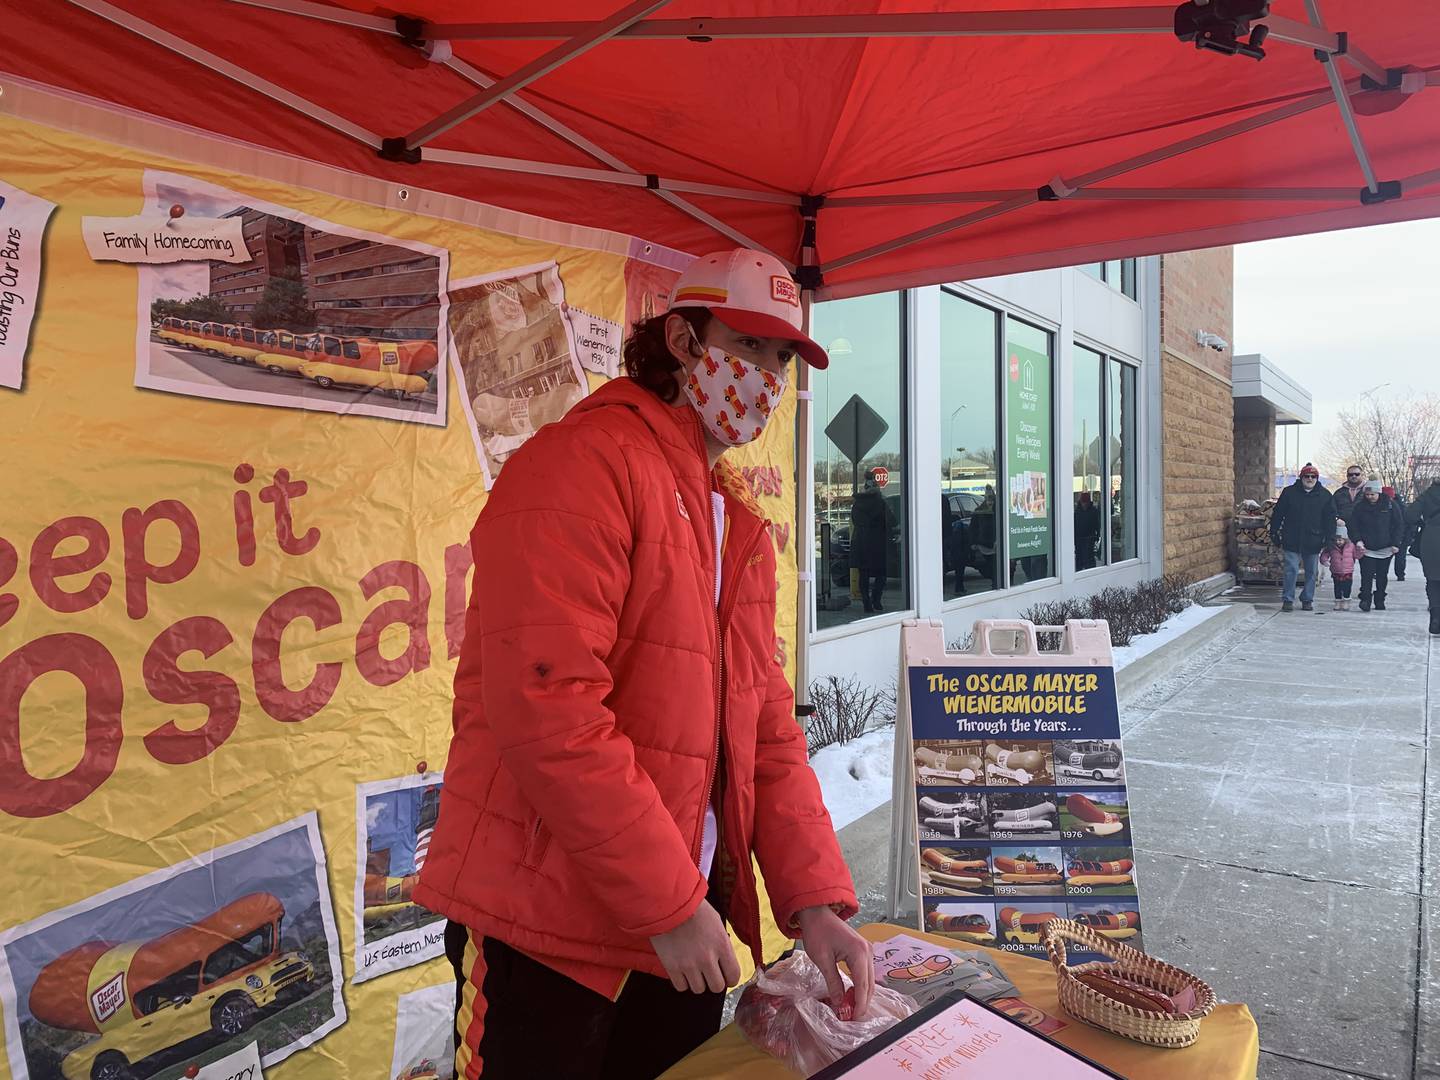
[{"x": 783, "y": 1011}]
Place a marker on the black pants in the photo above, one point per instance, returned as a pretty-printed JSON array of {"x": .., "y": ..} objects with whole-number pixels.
[
  {"x": 1400, "y": 563},
  {"x": 872, "y": 588},
  {"x": 1432, "y": 594},
  {"x": 530, "y": 1016},
  {"x": 1374, "y": 576},
  {"x": 1342, "y": 587}
]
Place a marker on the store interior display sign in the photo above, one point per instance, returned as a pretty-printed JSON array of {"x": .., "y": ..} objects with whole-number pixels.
[{"x": 959, "y": 1035}]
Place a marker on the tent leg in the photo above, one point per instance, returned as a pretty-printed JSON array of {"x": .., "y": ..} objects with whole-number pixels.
[{"x": 804, "y": 531}]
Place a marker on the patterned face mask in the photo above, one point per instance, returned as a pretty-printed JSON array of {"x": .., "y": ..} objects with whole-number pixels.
[{"x": 734, "y": 397}]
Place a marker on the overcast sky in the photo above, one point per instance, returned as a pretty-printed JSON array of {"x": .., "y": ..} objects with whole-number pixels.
[{"x": 1343, "y": 312}]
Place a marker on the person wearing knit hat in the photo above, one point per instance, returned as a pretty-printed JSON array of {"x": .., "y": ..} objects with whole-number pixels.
[
  {"x": 1379, "y": 527},
  {"x": 1340, "y": 555},
  {"x": 1302, "y": 524},
  {"x": 1404, "y": 508}
]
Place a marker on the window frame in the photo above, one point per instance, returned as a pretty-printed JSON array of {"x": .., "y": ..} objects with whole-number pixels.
[
  {"x": 1107, "y": 560},
  {"x": 1104, "y": 357},
  {"x": 1128, "y": 275},
  {"x": 1002, "y": 527},
  {"x": 909, "y": 540},
  {"x": 1132, "y": 487}
]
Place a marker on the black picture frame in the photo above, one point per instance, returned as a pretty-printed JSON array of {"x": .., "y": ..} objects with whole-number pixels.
[{"x": 842, "y": 1068}]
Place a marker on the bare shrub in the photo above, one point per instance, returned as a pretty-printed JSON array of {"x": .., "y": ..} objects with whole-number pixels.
[
  {"x": 844, "y": 710},
  {"x": 1129, "y": 612}
]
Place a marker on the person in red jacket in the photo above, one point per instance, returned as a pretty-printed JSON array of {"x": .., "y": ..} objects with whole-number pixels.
[{"x": 624, "y": 736}]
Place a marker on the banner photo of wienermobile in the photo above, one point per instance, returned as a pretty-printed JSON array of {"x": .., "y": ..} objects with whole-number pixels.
[{"x": 179, "y": 968}]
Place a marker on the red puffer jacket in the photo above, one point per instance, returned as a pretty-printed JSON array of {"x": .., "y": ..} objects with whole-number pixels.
[{"x": 593, "y": 702}]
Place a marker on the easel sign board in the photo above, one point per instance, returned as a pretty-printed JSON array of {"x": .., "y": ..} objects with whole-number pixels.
[
  {"x": 958, "y": 1035},
  {"x": 1011, "y": 806}
]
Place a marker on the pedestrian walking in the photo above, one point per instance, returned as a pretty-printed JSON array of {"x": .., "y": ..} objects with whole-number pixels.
[
  {"x": 1379, "y": 528},
  {"x": 1302, "y": 524},
  {"x": 1350, "y": 494},
  {"x": 1340, "y": 555},
  {"x": 1425, "y": 527},
  {"x": 1404, "y": 508}
]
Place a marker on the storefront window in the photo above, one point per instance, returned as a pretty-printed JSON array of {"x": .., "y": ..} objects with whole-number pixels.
[
  {"x": 1028, "y": 426},
  {"x": 969, "y": 390},
  {"x": 1123, "y": 539},
  {"x": 1128, "y": 275},
  {"x": 1088, "y": 496},
  {"x": 1117, "y": 273},
  {"x": 862, "y": 550}
]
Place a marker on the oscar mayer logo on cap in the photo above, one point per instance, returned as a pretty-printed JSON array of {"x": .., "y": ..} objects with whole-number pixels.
[{"x": 782, "y": 288}]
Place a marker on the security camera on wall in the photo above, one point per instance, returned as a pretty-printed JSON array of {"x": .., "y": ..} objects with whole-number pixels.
[{"x": 1211, "y": 341}]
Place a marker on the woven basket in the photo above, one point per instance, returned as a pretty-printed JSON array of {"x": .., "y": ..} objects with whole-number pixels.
[{"x": 1151, "y": 1027}]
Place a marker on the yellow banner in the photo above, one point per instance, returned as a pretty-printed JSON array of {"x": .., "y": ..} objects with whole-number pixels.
[{"x": 234, "y": 563}]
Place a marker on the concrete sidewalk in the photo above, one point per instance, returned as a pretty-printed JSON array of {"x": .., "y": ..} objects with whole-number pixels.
[
  {"x": 1279, "y": 783},
  {"x": 1279, "y": 793}
]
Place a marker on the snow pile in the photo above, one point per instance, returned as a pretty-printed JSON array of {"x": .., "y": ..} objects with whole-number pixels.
[
  {"x": 1169, "y": 630},
  {"x": 856, "y": 776}
]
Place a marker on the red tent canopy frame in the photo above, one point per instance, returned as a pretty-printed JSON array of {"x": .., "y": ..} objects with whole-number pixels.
[{"x": 870, "y": 146}]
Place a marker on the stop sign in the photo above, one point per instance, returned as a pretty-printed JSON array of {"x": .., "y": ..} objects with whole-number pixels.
[{"x": 881, "y": 474}]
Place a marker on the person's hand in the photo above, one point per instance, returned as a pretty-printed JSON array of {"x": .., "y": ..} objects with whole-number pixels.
[
  {"x": 697, "y": 954},
  {"x": 828, "y": 940}
]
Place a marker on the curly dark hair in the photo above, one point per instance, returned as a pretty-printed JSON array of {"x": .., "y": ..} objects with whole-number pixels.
[{"x": 648, "y": 359}]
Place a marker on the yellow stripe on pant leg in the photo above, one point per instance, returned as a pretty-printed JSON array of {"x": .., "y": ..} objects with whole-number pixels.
[{"x": 470, "y": 1020}]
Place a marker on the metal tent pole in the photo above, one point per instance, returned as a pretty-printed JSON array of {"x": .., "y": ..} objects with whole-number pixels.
[
  {"x": 1060, "y": 189},
  {"x": 1120, "y": 20},
  {"x": 1342, "y": 99},
  {"x": 593, "y": 35},
  {"x": 1278, "y": 194},
  {"x": 221, "y": 66}
]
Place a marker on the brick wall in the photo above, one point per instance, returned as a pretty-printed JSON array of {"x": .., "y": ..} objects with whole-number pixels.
[
  {"x": 1197, "y": 292},
  {"x": 1254, "y": 458},
  {"x": 1198, "y": 473}
]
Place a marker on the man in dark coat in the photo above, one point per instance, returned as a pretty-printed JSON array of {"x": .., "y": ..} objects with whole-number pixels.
[
  {"x": 1349, "y": 494},
  {"x": 1302, "y": 523},
  {"x": 1379, "y": 527},
  {"x": 1426, "y": 547},
  {"x": 871, "y": 523}
]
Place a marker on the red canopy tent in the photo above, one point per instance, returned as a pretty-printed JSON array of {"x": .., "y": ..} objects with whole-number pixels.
[{"x": 924, "y": 146}]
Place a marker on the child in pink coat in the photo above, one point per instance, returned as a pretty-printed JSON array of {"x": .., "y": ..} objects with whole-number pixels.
[{"x": 1341, "y": 557}]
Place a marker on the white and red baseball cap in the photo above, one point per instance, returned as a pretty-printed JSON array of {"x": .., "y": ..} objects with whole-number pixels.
[{"x": 752, "y": 293}]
